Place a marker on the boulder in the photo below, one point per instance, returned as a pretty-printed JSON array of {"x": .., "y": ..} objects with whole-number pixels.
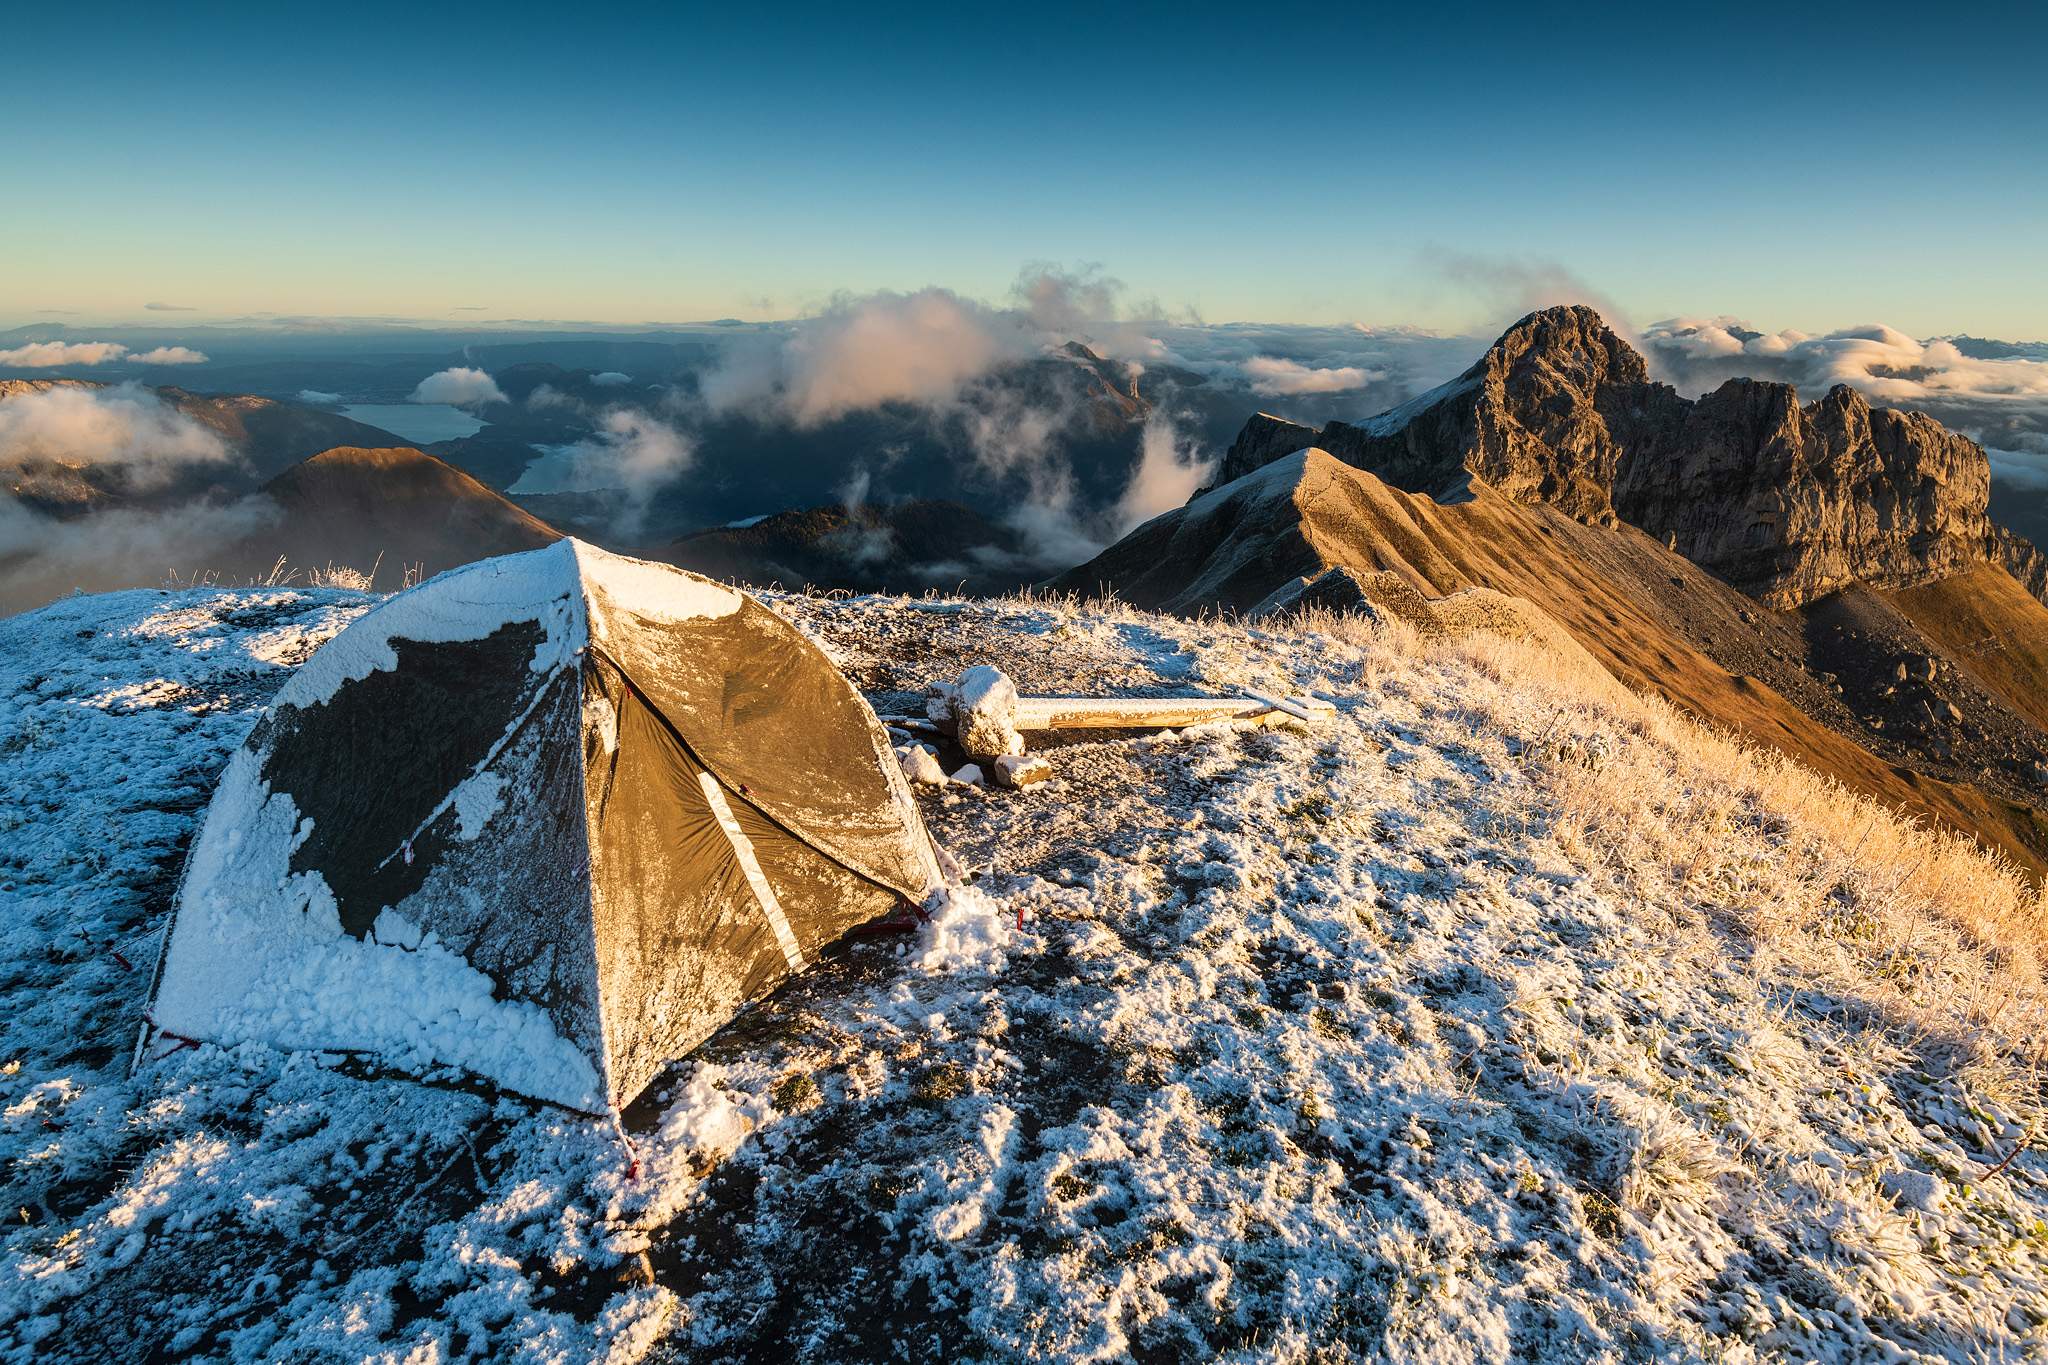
[
  {"x": 984, "y": 707},
  {"x": 920, "y": 765}
]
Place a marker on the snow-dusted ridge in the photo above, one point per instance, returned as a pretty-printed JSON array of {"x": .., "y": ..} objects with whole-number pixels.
[{"x": 1413, "y": 1036}]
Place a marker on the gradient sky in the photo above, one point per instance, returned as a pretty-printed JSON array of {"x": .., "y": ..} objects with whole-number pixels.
[{"x": 1810, "y": 169}]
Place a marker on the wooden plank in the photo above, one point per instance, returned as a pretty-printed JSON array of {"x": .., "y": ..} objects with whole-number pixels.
[
  {"x": 1148, "y": 713},
  {"x": 1290, "y": 706}
]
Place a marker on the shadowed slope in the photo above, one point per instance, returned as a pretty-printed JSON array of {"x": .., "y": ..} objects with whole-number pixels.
[{"x": 351, "y": 505}]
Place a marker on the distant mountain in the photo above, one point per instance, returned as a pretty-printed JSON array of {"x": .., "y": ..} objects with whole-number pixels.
[
  {"x": 1787, "y": 502},
  {"x": 904, "y": 547},
  {"x": 394, "y": 507}
]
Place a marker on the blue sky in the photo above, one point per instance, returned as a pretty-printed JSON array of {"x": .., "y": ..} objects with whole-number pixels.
[{"x": 1263, "y": 162}]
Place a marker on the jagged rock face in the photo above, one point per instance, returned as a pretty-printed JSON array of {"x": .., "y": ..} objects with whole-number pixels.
[
  {"x": 2022, "y": 559},
  {"x": 1786, "y": 502},
  {"x": 1264, "y": 439},
  {"x": 1791, "y": 503}
]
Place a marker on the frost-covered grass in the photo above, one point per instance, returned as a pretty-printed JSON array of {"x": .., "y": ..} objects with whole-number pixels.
[{"x": 1413, "y": 1036}]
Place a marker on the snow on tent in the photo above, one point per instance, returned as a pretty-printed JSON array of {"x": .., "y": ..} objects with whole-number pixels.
[{"x": 551, "y": 819}]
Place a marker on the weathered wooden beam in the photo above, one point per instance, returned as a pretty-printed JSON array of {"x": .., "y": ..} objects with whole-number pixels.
[{"x": 1155, "y": 713}]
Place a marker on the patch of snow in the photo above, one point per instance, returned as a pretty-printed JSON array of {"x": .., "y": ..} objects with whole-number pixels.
[
  {"x": 1394, "y": 419},
  {"x": 477, "y": 799},
  {"x": 468, "y": 603},
  {"x": 258, "y": 953},
  {"x": 969, "y": 930},
  {"x": 656, "y": 592}
]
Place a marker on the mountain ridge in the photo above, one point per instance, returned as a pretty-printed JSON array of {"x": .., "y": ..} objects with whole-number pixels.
[{"x": 1787, "y": 502}]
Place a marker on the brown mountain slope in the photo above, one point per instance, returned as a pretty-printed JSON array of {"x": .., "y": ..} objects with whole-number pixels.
[
  {"x": 350, "y": 506},
  {"x": 1658, "y": 622},
  {"x": 1990, "y": 624}
]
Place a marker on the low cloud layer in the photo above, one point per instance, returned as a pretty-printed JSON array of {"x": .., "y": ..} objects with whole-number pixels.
[
  {"x": 631, "y": 453},
  {"x": 318, "y": 397},
  {"x": 43, "y": 558},
  {"x": 124, "y": 427},
  {"x": 458, "y": 386},
  {"x": 862, "y": 353},
  {"x": 1273, "y": 376},
  {"x": 45, "y": 355},
  {"x": 1169, "y": 470}
]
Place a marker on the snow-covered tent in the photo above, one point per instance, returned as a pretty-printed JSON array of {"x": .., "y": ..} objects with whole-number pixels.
[{"x": 551, "y": 819}]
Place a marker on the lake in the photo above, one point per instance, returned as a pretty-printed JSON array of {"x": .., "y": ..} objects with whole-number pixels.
[{"x": 420, "y": 423}]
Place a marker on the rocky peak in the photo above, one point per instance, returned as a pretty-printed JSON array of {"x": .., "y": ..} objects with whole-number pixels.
[{"x": 1264, "y": 439}]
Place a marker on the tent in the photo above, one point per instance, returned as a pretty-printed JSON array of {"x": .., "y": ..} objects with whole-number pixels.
[{"x": 551, "y": 818}]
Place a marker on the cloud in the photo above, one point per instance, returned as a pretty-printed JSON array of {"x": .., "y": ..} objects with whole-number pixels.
[
  {"x": 610, "y": 379},
  {"x": 318, "y": 397},
  {"x": 862, "y": 353},
  {"x": 630, "y": 452},
  {"x": 1272, "y": 375},
  {"x": 170, "y": 355},
  {"x": 2026, "y": 469},
  {"x": 43, "y": 355},
  {"x": 1509, "y": 287},
  {"x": 169, "y": 308},
  {"x": 458, "y": 386},
  {"x": 126, "y": 427},
  {"x": 42, "y": 558},
  {"x": 1887, "y": 365},
  {"x": 1168, "y": 473}
]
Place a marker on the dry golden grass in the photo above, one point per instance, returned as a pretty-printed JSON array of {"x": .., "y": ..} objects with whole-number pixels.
[{"x": 1947, "y": 940}]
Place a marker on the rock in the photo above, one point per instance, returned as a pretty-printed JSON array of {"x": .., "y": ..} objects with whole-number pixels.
[
  {"x": 2021, "y": 559},
  {"x": 1899, "y": 673},
  {"x": 921, "y": 765},
  {"x": 970, "y": 775},
  {"x": 1018, "y": 771},
  {"x": 984, "y": 704},
  {"x": 1952, "y": 712}
]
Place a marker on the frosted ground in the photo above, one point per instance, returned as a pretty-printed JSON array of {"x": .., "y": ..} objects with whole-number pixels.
[{"x": 1499, "y": 1016}]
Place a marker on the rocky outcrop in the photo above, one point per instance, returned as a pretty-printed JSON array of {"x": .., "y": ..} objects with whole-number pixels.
[
  {"x": 1264, "y": 439},
  {"x": 1787, "y": 502},
  {"x": 1791, "y": 503},
  {"x": 2022, "y": 559}
]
